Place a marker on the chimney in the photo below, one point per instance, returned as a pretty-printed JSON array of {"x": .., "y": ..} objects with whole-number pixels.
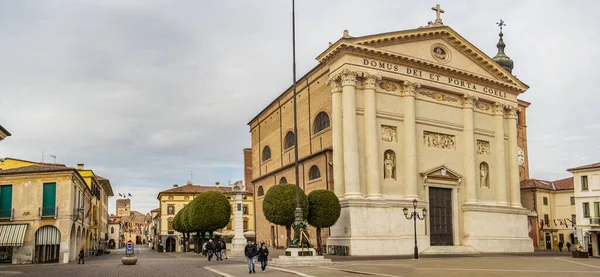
[
  {"x": 80, "y": 166},
  {"x": 175, "y": 185},
  {"x": 217, "y": 184}
]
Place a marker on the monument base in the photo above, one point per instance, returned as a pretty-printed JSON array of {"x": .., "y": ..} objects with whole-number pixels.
[
  {"x": 300, "y": 257},
  {"x": 238, "y": 244}
]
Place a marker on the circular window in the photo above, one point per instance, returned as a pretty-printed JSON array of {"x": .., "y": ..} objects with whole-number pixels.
[{"x": 440, "y": 53}]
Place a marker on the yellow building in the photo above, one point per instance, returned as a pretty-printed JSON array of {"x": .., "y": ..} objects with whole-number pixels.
[
  {"x": 101, "y": 190},
  {"x": 553, "y": 211},
  {"x": 45, "y": 212},
  {"x": 3, "y": 133},
  {"x": 587, "y": 203},
  {"x": 173, "y": 200}
]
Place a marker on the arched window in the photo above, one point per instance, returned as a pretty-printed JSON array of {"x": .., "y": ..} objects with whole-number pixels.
[
  {"x": 112, "y": 230},
  {"x": 283, "y": 180},
  {"x": 266, "y": 153},
  {"x": 314, "y": 173},
  {"x": 290, "y": 140},
  {"x": 261, "y": 191},
  {"x": 321, "y": 122}
]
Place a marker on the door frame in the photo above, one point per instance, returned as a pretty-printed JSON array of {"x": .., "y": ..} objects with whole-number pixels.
[{"x": 454, "y": 198}]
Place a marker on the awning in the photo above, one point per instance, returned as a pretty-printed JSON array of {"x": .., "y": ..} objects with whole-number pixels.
[
  {"x": 249, "y": 234},
  {"x": 12, "y": 234},
  {"x": 47, "y": 235}
]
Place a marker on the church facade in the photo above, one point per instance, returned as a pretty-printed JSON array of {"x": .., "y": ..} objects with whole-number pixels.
[{"x": 388, "y": 118}]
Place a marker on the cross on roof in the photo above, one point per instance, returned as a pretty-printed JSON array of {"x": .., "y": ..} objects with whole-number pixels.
[
  {"x": 500, "y": 24},
  {"x": 438, "y": 12}
]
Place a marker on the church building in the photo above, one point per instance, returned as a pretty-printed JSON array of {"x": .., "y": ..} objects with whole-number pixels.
[{"x": 388, "y": 118}]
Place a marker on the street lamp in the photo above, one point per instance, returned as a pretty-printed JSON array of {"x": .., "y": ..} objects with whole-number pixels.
[{"x": 414, "y": 215}]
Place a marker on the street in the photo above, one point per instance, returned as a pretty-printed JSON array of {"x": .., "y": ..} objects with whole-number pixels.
[{"x": 152, "y": 263}]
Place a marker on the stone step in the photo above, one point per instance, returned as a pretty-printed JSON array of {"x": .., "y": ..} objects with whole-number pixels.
[
  {"x": 290, "y": 261},
  {"x": 451, "y": 250}
]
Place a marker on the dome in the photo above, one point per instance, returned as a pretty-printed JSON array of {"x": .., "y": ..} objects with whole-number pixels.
[{"x": 501, "y": 58}]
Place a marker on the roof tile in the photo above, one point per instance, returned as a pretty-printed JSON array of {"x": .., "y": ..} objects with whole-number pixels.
[{"x": 589, "y": 166}]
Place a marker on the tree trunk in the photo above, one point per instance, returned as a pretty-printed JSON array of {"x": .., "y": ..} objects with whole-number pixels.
[
  {"x": 184, "y": 243},
  {"x": 288, "y": 233},
  {"x": 319, "y": 242},
  {"x": 210, "y": 235},
  {"x": 198, "y": 243}
]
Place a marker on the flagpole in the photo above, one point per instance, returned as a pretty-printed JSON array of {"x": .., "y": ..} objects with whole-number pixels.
[{"x": 298, "y": 211}]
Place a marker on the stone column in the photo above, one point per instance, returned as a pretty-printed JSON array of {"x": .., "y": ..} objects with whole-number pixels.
[
  {"x": 410, "y": 140},
  {"x": 371, "y": 137},
  {"x": 239, "y": 241},
  {"x": 513, "y": 167},
  {"x": 337, "y": 137},
  {"x": 351, "y": 165},
  {"x": 469, "y": 156},
  {"x": 500, "y": 172}
]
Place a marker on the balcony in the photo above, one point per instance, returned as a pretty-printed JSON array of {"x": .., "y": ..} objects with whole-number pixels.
[
  {"x": 7, "y": 213},
  {"x": 48, "y": 211},
  {"x": 595, "y": 221}
]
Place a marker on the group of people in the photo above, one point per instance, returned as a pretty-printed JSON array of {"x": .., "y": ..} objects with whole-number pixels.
[
  {"x": 218, "y": 248},
  {"x": 251, "y": 251}
]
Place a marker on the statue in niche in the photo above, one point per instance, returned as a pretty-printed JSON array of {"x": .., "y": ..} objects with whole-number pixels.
[
  {"x": 389, "y": 165},
  {"x": 484, "y": 174}
]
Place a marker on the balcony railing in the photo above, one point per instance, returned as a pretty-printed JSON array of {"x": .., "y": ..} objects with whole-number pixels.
[
  {"x": 7, "y": 213},
  {"x": 48, "y": 211},
  {"x": 595, "y": 221}
]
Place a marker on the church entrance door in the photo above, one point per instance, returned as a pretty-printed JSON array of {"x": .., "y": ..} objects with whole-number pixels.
[{"x": 440, "y": 219}]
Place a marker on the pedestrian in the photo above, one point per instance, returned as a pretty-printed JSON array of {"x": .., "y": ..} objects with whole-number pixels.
[
  {"x": 81, "y": 256},
  {"x": 263, "y": 256},
  {"x": 224, "y": 250},
  {"x": 250, "y": 251},
  {"x": 568, "y": 246},
  {"x": 218, "y": 249},
  {"x": 560, "y": 246},
  {"x": 210, "y": 247},
  {"x": 204, "y": 249}
]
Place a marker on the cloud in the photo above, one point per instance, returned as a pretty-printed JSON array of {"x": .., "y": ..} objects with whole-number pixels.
[{"x": 143, "y": 92}]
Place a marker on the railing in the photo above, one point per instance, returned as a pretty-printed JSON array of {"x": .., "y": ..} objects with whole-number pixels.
[
  {"x": 7, "y": 213},
  {"x": 48, "y": 211},
  {"x": 595, "y": 221}
]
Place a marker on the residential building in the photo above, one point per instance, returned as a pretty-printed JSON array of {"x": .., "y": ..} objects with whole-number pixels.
[
  {"x": 587, "y": 202},
  {"x": 101, "y": 190},
  {"x": 3, "y": 133},
  {"x": 45, "y": 212},
  {"x": 552, "y": 206},
  {"x": 135, "y": 227},
  {"x": 174, "y": 199},
  {"x": 153, "y": 229},
  {"x": 116, "y": 238}
]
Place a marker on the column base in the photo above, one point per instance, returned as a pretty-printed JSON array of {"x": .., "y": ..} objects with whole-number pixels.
[
  {"x": 502, "y": 203},
  {"x": 238, "y": 244},
  {"x": 353, "y": 195},
  {"x": 516, "y": 205},
  {"x": 411, "y": 197},
  {"x": 375, "y": 196}
]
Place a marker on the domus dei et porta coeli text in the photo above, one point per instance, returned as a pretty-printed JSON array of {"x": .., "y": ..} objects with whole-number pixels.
[{"x": 387, "y": 118}]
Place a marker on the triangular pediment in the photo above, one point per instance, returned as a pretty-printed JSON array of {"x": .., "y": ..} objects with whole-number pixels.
[
  {"x": 440, "y": 47},
  {"x": 441, "y": 172}
]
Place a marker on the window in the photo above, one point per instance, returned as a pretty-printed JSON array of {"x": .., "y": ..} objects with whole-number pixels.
[
  {"x": 546, "y": 220},
  {"x": 584, "y": 183},
  {"x": 289, "y": 141},
  {"x": 314, "y": 173},
  {"x": 574, "y": 219},
  {"x": 596, "y": 209},
  {"x": 545, "y": 201},
  {"x": 321, "y": 122},
  {"x": 5, "y": 201},
  {"x": 283, "y": 180},
  {"x": 112, "y": 230},
  {"x": 49, "y": 199},
  {"x": 245, "y": 209},
  {"x": 170, "y": 209},
  {"x": 261, "y": 191},
  {"x": 266, "y": 155},
  {"x": 245, "y": 224},
  {"x": 170, "y": 224},
  {"x": 586, "y": 210},
  {"x": 572, "y": 200}
]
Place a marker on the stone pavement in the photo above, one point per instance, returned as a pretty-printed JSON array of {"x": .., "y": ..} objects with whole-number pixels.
[{"x": 152, "y": 264}]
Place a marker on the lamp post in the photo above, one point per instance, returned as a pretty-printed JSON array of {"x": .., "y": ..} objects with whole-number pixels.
[{"x": 414, "y": 215}]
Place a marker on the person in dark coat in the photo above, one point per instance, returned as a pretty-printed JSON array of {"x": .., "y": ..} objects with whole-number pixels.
[
  {"x": 560, "y": 246},
  {"x": 210, "y": 247},
  {"x": 250, "y": 251},
  {"x": 263, "y": 256},
  {"x": 568, "y": 246},
  {"x": 81, "y": 256},
  {"x": 218, "y": 249},
  {"x": 224, "y": 250}
]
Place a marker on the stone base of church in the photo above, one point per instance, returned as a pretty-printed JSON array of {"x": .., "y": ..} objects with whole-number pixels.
[
  {"x": 493, "y": 229},
  {"x": 375, "y": 227}
]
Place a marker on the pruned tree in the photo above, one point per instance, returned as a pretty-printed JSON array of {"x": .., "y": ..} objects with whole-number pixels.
[
  {"x": 208, "y": 212},
  {"x": 279, "y": 205},
  {"x": 323, "y": 211}
]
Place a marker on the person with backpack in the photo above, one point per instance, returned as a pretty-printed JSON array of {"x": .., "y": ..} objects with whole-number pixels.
[{"x": 263, "y": 256}]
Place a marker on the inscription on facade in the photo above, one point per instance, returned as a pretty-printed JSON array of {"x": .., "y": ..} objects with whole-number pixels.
[
  {"x": 437, "y": 140},
  {"x": 388, "y": 133},
  {"x": 433, "y": 77},
  {"x": 483, "y": 147}
]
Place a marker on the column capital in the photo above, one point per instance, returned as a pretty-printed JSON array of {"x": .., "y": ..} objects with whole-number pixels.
[
  {"x": 469, "y": 100},
  {"x": 370, "y": 81},
  {"x": 511, "y": 112},
  {"x": 498, "y": 108},
  {"x": 334, "y": 85},
  {"x": 409, "y": 88},
  {"x": 348, "y": 77}
]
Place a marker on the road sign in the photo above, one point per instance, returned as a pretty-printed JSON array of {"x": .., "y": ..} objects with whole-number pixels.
[{"x": 129, "y": 249}]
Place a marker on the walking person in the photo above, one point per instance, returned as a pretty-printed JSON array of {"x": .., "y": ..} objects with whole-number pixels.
[
  {"x": 568, "y": 246},
  {"x": 210, "y": 247},
  {"x": 218, "y": 249},
  {"x": 81, "y": 256},
  {"x": 560, "y": 246},
  {"x": 263, "y": 256},
  {"x": 224, "y": 250},
  {"x": 204, "y": 249},
  {"x": 250, "y": 251}
]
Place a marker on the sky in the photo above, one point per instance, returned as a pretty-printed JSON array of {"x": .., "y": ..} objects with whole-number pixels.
[{"x": 147, "y": 92}]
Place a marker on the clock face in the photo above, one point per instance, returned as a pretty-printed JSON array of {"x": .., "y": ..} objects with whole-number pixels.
[{"x": 520, "y": 156}]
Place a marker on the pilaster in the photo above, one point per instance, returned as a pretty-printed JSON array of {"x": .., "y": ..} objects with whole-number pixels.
[
  {"x": 350, "y": 131},
  {"x": 371, "y": 135},
  {"x": 469, "y": 142},
  {"x": 514, "y": 186},
  {"x": 337, "y": 137},
  {"x": 410, "y": 140},
  {"x": 500, "y": 164}
]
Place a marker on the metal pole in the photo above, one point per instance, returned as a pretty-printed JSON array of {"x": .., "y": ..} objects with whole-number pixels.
[
  {"x": 416, "y": 256},
  {"x": 298, "y": 212}
]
